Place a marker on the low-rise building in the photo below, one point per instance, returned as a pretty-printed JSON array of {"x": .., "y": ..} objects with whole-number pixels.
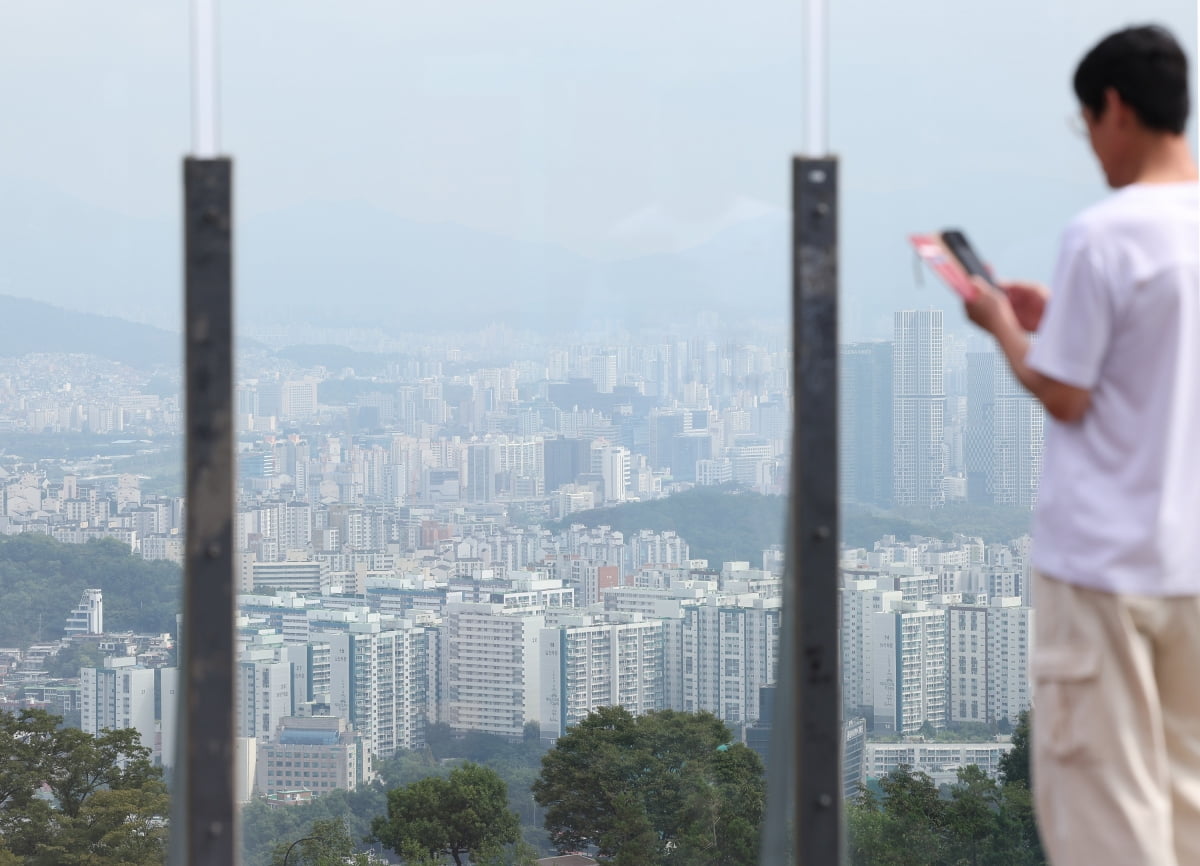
[{"x": 313, "y": 753}]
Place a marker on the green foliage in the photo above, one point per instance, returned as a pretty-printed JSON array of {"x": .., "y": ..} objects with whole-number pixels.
[
  {"x": 266, "y": 828},
  {"x": 720, "y": 524},
  {"x": 73, "y": 446},
  {"x": 76, "y": 764},
  {"x": 725, "y": 524},
  {"x": 465, "y": 814},
  {"x": 109, "y": 804},
  {"x": 662, "y": 788},
  {"x": 161, "y": 471},
  {"x": 518, "y": 763},
  {"x": 863, "y": 526},
  {"x": 79, "y": 653},
  {"x": 41, "y": 581},
  {"x": 1014, "y": 765},
  {"x": 982, "y": 823},
  {"x": 328, "y": 843},
  {"x": 124, "y": 826}
]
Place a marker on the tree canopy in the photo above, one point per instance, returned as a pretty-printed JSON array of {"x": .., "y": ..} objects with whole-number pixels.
[
  {"x": 464, "y": 814},
  {"x": 662, "y": 788},
  {"x": 720, "y": 524},
  {"x": 328, "y": 843},
  {"x": 981, "y": 822},
  {"x": 108, "y": 805}
]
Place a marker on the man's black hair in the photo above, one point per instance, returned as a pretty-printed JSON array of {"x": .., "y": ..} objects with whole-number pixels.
[{"x": 1148, "y": 70}]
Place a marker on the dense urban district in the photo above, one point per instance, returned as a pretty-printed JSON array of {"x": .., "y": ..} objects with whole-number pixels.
[{"x": 528, "y": 586}]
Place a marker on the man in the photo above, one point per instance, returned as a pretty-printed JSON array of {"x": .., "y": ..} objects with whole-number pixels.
[{"x": 1116, "y": 533}]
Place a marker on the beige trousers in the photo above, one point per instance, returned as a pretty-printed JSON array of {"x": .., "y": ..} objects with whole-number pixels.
[{"x": 1116, "y": 730}]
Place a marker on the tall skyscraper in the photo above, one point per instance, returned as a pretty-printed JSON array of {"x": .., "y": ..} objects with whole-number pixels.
[
  {"x": 866, "y": 423},
  {"x": 918, "y": 409},
  {"x": 977, "y": 445},
  {"x": 1018, "y": 421},
  {"x": 482, "y": 465}
]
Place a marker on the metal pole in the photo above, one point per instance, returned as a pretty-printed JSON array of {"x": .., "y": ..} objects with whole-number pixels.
[
  {"x": 816, "y": 68},
  {"x": 288, "y": 853},
  {"x": 203, "y": 826},
  {"x": 205, "y": 112},
  {"x": 812, "y": 555}
]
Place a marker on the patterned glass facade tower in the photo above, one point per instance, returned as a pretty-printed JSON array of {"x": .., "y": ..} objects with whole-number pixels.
[
  {"x": 1004, "y": 435},
  {"x": 865, "y": 423}
]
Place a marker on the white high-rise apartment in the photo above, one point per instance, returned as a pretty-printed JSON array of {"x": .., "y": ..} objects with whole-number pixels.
[
  {"x": 1010, "y": 645},
  {"x": 118, "y": 695},
  {"x": 490, "y": 667},
  {"x": 587, "y": 664},
  {"x": 611, "y": 462},
  {"x": 378, "y": 682},
  {"x": 918, "y": 409},
  {"x": 862, "y": 598},
  {"x": 603, "y": 370},
  {"x": 909, "y": 667},
  {"x": 264, "y": 692},
  {"x": 296, "y": 529},
  {"x": 649, "y": 547},
  {"x": 988, "y": 659},
  {"x": 718, "y": 655}
]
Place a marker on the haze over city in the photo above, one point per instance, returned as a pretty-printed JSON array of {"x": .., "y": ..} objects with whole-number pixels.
[{"x": 532, "y": 164}]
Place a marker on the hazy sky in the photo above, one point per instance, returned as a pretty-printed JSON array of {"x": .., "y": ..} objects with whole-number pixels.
[{"x": 610, "y": 129}]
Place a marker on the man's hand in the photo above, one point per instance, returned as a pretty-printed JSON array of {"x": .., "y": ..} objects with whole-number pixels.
[
  {"x": 990, "y": 309},
  {"x": 996, "y": 312},
  {"x": 1028, "y": 302}
]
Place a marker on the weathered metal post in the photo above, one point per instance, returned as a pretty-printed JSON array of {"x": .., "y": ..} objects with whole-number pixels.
[
  {"x": 203, "y": 826},
  {"x": 805, "y": 810},
  {"x": 812, "y": 569}
]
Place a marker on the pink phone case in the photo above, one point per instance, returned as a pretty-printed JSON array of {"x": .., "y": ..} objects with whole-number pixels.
[{"x": 934, "y": 253}]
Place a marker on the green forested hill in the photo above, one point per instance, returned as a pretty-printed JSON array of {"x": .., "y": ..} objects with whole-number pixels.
[
  {"x": 719, "y": 524},
  {"x": 862, "y": 527},
  {"x": 41, "y": 581},
  {"x": 723, "y": 524}
]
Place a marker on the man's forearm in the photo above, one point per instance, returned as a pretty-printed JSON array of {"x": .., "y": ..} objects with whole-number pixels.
[
  {"x": 1064, "y": 402},
  {"x": 1014, "y": 343}
]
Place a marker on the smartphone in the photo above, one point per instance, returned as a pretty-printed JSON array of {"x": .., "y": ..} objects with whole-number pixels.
[{"x": 958, "y": 245}]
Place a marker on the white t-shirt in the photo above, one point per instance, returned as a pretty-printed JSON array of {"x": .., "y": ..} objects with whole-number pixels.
[{"x": 1119, "y": 501}]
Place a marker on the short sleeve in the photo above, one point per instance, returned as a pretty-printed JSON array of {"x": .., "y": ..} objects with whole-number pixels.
[{"x": 1076, "y": 328}]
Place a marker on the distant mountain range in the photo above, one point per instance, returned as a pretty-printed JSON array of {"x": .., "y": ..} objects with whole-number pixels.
[
  {"x": 348, "y": 265},
  {"x": 351, "y": 265},
  {"x": 32, "y": 326}
]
